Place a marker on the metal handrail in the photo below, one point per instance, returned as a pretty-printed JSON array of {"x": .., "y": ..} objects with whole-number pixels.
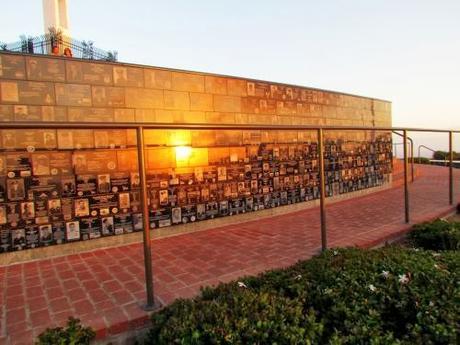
[
  {"x": 411, "y": 153},
  {"x": 204, "y": 126},
  {"x": 432, "y": 150},
  {"x": 140, "y": 127}
]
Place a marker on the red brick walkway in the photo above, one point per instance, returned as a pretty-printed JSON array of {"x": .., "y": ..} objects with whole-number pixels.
[{"x": 104, "y": 287}]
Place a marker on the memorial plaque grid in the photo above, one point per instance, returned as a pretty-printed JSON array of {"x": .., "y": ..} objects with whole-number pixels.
[{"x": 56, "y": 190}]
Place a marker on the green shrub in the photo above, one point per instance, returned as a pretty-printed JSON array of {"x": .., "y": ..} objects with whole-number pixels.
[
  {"x": 422, "y": 160},
  {"x": 386, "y": 296},
  {"x": 437, "y": 235},
  {"x": 73, "y": 334}
]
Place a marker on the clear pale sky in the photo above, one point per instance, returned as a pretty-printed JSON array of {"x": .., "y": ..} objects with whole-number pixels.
[{"x": 407, "y": 51}]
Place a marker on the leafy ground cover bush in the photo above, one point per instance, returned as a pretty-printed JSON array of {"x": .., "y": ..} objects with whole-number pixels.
[
  {"x": 73, "y": 334},
  {"x": 437, "y": 235},
  {"x": 392, "y": 295}
]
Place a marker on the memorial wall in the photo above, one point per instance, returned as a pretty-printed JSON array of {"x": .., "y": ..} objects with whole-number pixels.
[{"x": 63, "y": 185}]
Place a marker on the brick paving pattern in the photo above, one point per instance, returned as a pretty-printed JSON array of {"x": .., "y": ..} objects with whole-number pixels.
[{"x": 105, "y": 287}]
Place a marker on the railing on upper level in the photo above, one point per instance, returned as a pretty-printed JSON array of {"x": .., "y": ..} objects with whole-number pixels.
[{"x": 43, "y": 45}]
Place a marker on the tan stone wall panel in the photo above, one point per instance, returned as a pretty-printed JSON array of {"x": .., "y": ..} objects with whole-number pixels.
[
  {"x": 237, "y": 87},
  {"x": 201, "y": 101},
  {"x": 220, "y": 118},
  {"x": 128, "y": 76},
  {"x": 178, "y": 100},
  {"x": 73, "y": 95},
  {"x": 215, "y": 85},
  {"x": 144, "y": 98},
  {"x": 145, "y": 115},
  {"x": 89, "y": 73},
  {"x": 195, "y": 117},
  {"x": 157, "y": 79},
  {"x": 187, "y": 82},
  {"x": 12, "y": 67},
  {"x": 108, "y": 96},
  {"x": 45, "y": 69},
  {"x": 227, "y": 103},
  {"x": 124, "y": 115}
]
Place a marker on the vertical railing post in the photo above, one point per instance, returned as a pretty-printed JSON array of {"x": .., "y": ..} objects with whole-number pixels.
[
  {"x": 322, "y": 190},
  {"x": 451, "y": 172},
  {"x": 145, "y": 220},
  {"x": 406, "y": 184},
  {"x": 412, "y": 159}
]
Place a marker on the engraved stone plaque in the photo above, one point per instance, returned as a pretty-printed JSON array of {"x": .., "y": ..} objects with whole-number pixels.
[
  {"x": 101, "y": 161},
  {"x": 27, "y": 113},
  {"x": 78, "y": 114},
  {"x": 157, "y": 79},
  {"x": 36, "y": 93},
  {"x": 50, "y": 113},
  {"x": 6, "y": 112},
  {"x": 83, "y": 138},
  {"x": 108, "y": 96},
  {"x": 88, "y": 72},
  {"x": 128, "y": 76},
  {"x": 127, "y": 160},
  {"x": 45, "y": 69},
  {"x": 73, "y": 94},
  {"x": 12, "y": 67},
  {"x": 9, "y": 91}
]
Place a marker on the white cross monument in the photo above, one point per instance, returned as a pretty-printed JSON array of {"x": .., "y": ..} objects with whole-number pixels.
[{"x": 55, "y": 15}]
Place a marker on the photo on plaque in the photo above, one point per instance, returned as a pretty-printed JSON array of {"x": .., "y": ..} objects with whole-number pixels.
[
  {"x": 68, "y": 187},
  {"x": 81, "y": 207},
  {"x": 45, "y": 234},
  {"x": 176, "y": 215},
  {"x": 72, "y": 232},
  {"x": 27, "y": 210},
  {"x": 107, "y": 226},
  {"x": 199, "y": 174},
  {"x": 54, "y": 206},
  {"x": 59, "y": 232},
  {"x": 2, "y": 165},
  {"x": 135, "y": 180},
  {"x": 79, "y": 162},
  {"x": 9, "y": 139},
  {"x": 223, "y": 208},
  {"x": 15, "y": 189},
  {"x": 221, "y": 173},
  {"x": 201, "y": 211},
  {"x": 18, "y": 239},
  {"x": 3, "y": 215},
  {"x": 103, "y": 183},
  {"x": 124, "y": 200},
  {"x": 137, "y": 221},
  {"x": 164, "y": 197},
  {"x": 40, "y": 164},
  {"x": 49, "y": 139}
]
